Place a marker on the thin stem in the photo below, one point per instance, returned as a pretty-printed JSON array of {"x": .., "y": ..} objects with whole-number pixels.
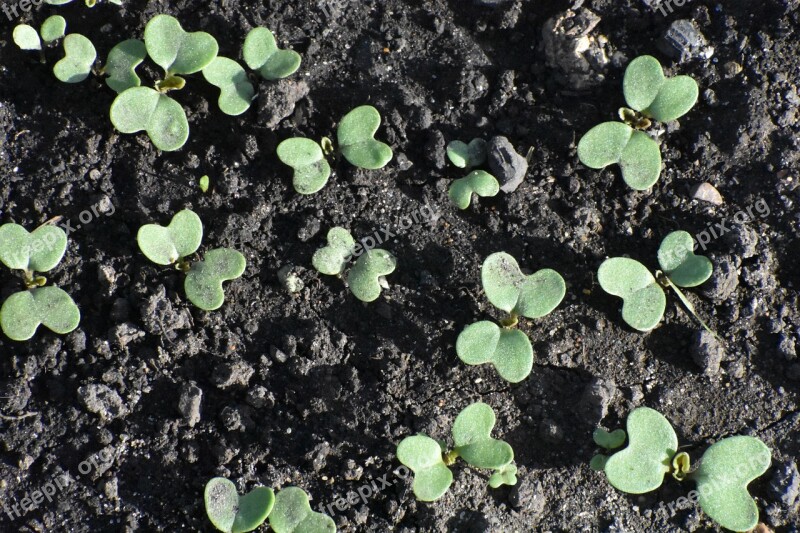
[
  {"x": 510, "y": 321},
  {"x": 687, "y": 303}
]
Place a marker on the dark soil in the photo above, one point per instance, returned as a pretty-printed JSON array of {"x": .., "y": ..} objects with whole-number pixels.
[{"x": 316, "y": 389}]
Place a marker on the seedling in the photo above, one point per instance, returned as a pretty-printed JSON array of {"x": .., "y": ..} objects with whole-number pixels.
[
  {"x": 27, "y": 38},
  {"x": 472, "y": 428},
  {"x": 642, "y": 294},
  {"x": 355, "y": 136},
  {"x": 478, "y": 182},
  {"x": 465, "y": 155},
  {"x": 333, "y": 258},
  {"x": 726, "y": 468},
  {"x": 508, "y": 289},
  {"x": 261, "y": 53},
  {"x": 79, "y": 58},
  {"x": 236, "y": 91},
  {"x": 204, "y": 183},
  {"x": 292, "y": 514},
  {"x": 232, "y": 513},
  {"x": 121, "y": 65},
  {"x": 650, "y": 95},
  {"x": 173, "y": 244}
]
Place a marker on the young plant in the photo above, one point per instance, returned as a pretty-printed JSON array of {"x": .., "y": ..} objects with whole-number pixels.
[
  {"x": 39, "y": 251},
  {"x": 726, "y": 468},
  {"x": 650, "y": 95},
  {"x": 508, "y": 289},
  {"x": 357, "y": 143},
  {"x": 472, "y": 439},
  {"x": 465, "y": 155},
  {"x": 477, "y": 182},
  {"x": 236, "y": 91},
  {"x": 27, "y": 38},
  {"x": 232, "y": 513},
  {"x": 261, "y": 53},
  {"x": 332, "y": 259},
  {"x": 173, "y": 244},
  {"x": 121, "y": 65},
  {"x": 78, "y": 60},
  {"x": 292, "y": 514}
]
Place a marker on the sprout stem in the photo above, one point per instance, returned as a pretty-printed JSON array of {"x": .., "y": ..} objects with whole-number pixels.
[
  {"x": 450, "y": 457},
  {"x": 663, "y": 278},
  {"x": 510, "y": 321}
]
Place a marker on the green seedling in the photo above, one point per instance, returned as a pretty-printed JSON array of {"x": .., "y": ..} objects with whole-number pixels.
[
  {"x": 204, "y": 183},
  {"x": 478, "y": 182},
  {"x": 508, "y": 289},
  {"x": 678, "y": 261},
  {"x": 175, "y": 50},
  {"x": 26, "y": 37},
  {"x": 261, "y": 53},
  {"x": 332, "y": 259},
  {"x": 473, "y": 443},
  {"x": 292, "y": 514},
  {"x": 236, "y": 91},
  {"x": 121, "y": 65},
  {"x": 173, "y": 244},
  {"x": 366, "y": 278},
  {"x": 232, "y": 513},
  {"x": 651, "y": 96},
  {"x": 465, "y": 155},
  {"x": 357, "y": 144},
  {"x": 609, "y": 440},
  {"x": 726, "y": 468},
  {"x": 79, "y": 58},
  {"x": 38, "y": 251},
  {"x": 53, "y": 29},
  {"x": 145, "y": 109}
]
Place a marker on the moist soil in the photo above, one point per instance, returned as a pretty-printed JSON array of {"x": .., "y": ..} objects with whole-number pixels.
[{"x": 315, "y": 388}]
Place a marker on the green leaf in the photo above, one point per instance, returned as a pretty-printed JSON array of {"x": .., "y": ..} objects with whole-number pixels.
[
  {"x": 609, "y": 440},
  {"x": 77, "y": 63},
  {"x": 465, "y": 155},
  {"x": 726, "y": 469},
  {"x": 23, "y": 312},
  {"x": 423, "y": 456},
  {"x": 507, "y": 288},
  {"x": 641, "y": 466},
  {"x": 507, "y": 475},
  {"x": 603, "y": 145},
  {"x": 509, "y": 350},
  {"x": 641, "y": 161},
  {"x": 233, "y": 514},
  {"x": 145, "y": 109},
  {"x": 292, "y": 514},
  {"x": 356, "y": 139},
  {"x": 261, "y": 53},
  {"x": 643, "y": 299},
  {"x": 471, "y": 434},
  {"x": 38, "y": 251},
  {"x": 332, "y": 259},
  {"x": 678, "y": 260},
  {"x": 677, "y": 96},
  {"x": 647, "y": 90},
  {"x": 479, "y": 182},
  {"x": 311, "y": 169},
  {"x": 364, "y": 277},
  {"x": 53, "y": 28},
  {"x": 236, "y": 91},
  {"x": 204, "y": 183},
  {"x": 203, "y": 284},
  {"x": 121, "y": 65},
  {"x": 166, "y": 246},
  {"x": 26, "y": 37},
  {"x": 175, "y": 50}
]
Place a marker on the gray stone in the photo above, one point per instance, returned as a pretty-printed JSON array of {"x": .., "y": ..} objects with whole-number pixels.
[
  {"x": 707, "y": 352},
  {"x": 232, "y": 374},
  {"x": 683, "y": 41},
  {"x": 596, "y": 399},
  {"x": 278, "y": 100},
  {"x": 102, "y": 400},
  {"x": 707, "y": 193},
  {"x": 785, "y": 484},
  {"x": 189, "y": 403},
  {"x": 578, "y": 57},
  {"x": 506, "y": 164},
  {"x": 724, "y": 280}
]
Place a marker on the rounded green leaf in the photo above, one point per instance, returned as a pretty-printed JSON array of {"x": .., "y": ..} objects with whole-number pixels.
[
  {"x": 507, "y": 288},
  {"x": 175, "y": 50},
  {"x": 53, "y": 28},
  {"x": 236, "y": 91},
  {"x": 145, "y": 109},
  {"x": 479, "y": 182},
  {"x": 254, "y": 507},
  {"x": 121, "y": 65},
  {"x": 471, "y": 434},
  {"x": 642, "y": 82},
  {"x": 332, "y": 259},
  {"x": 678, "y": 260},
  {"x": 364, "y": 277},
  {"x": 292, "y": 514},
  {"x": 603, "y": 145},
  {"x": 38, "y": 251},
  {"x": 465, "y": 155},
  {"x": 232, "y": 514},
  {"x": 311, "y": 169},
  {"x": 261, "y": 53},
  {"x": 640, "y": 161},
  {"x": 505, "y": 476},
  {"x": 203, "y": 284},
  {"x": 23, "y": 312},
  {"x": 356, "y": 139},
  {"x": 509, "y": 350},
  {"x": 641, "y": 466},
  {"x": 676, "y": 97},
  {"x": 643, "y": 299},
  {"x": 609, "y": 440},
  {"x": 166, "y": 246},
  {"x": 423, "y": 456},
  {"x": 77, "y": 63},
  {"x": 26, "y": 37}
]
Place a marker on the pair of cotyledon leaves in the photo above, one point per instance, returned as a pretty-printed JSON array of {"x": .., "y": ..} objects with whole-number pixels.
[
  {"x": 643, "y": 297},
  {"x": 725, "y": 470},
  {"x": 471, "y": 436},
  {"x": 508, "y": 289},
  {"x": 356, "y": 137},
  {"x": 170, "y": 245},
  {"x": 364, "y": 279},
  {"x": 648, "y": 91},
  {"x": 39, "y": 251},
  {"x": 79, "y": 52},
  {"x": 477, "y": 182},
  {"x": 289, "y": 511}
]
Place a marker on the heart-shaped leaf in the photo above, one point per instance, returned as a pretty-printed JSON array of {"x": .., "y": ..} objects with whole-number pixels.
[
  {"x": 507, "y": 288},
  {"x": 649, "y": 91},
  {"x": 641, "y": 466},
  {"x": 292, "y": 514},
  {"x": 609, "y": 440},
  {"x": 23, "y": 312},
  {"x": 26, "y": 37},
  {"x": 261, "y": 53},
  {"x": 145, "y": 109},
  {"x": 121, "y": 65},
  {"x": 175, "y": 50},
  {"x": 203, "y": 284},
  {"x": 479, "y": 182},
  {"x": 38, "y": 251},
  {"x": 465, "y": 155},
  {"x": 311, "y": 169},
  {"x": 236, "y": 91},
  {"x": 233, "y": 514},
  {"x": 356, "y": 139},
  {"x": 640, "y": 162},
  {"x": 166, "y": 246},
  {"x": 507, "y": 475},
  {"x": 423, "y": 456},
  {"x": 77, "y": 63},
  {"x": 53, "y": 28},
  {"x": 638, "y": 156},
  {"x": 333, "y": 258},
  {"x": 509, "y": 350},
  {"x": 678, "y": 260},
  {"x": 643, "y": 299},
  {"x": 471, "y": 435},
  {"x": 364, "y": 278},
  {"x": 726, "y": 469}
]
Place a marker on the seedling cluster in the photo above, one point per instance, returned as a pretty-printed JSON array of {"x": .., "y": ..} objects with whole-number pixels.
[{"x": 478, "y": 182}]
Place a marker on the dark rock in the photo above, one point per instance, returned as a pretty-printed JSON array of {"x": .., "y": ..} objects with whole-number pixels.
[
  {"x": 683, "y": 41},
  {"x": 231, "y": 418},
  {"x": 530, "y": 499},
  {"x": 159, "y": 317},
  {"x": 786, "y": 347},
  {"x": 124, "y": 334},
  {"x": 707, "y": 352},
  {"x": 745, "y": 240},
  {"x": 102, "y": 400},
  {"x": 309, "y": 228},
  {"x": 189, "y": 403},
  {"x": 232, "y": 374},
  {"x": 724, "y": 280},
  {"x": 579, "y": 58},
  {"x": 785, "y": 484},
  {"x": 435, "y": 150},
  {"x": 260, "y": 398},
  {"x": 278, "y": 100},
  {"x": 596, "y": 399},
  {"x": 506, "y": 164}
]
